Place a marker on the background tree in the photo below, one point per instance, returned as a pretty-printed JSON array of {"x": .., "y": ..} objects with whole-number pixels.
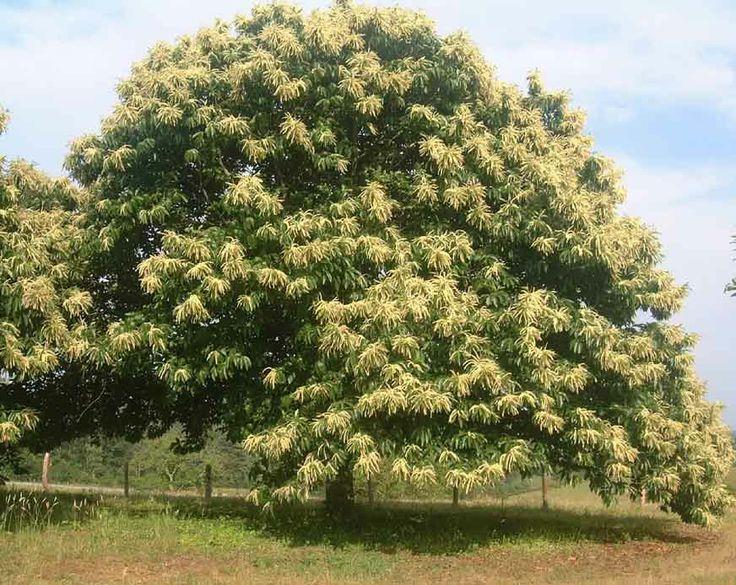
[
  {"x": 161, "y": 463},
  {"x": 155, "y": 464},
  {"x": 41, "y": 308},
  {"x": 52, "y": 362},
  {"x": 343, "y": 229}
]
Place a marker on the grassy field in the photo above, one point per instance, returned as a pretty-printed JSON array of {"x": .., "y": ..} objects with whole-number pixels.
[{"x": 157, "y": 540}]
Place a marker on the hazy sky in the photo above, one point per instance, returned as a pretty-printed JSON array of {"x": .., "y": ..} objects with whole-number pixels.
[{"x": 658, "y": 79}]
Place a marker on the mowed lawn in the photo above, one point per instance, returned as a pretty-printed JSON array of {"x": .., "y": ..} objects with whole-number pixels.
[{"x": 172, "y": 541}]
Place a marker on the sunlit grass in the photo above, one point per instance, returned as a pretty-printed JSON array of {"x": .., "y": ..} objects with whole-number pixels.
[{"x": 176, "y": 540}]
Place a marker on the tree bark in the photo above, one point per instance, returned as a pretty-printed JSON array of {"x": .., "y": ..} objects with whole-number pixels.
[
  {"x": 171, "y": 474},
  {"x": 340, "y": 492},
  {"x": 545, "y": 503},
  {"x": 45, "y": 471},
  {"x": 455, "y": 497},
  {"x": 207, "y": 484}
]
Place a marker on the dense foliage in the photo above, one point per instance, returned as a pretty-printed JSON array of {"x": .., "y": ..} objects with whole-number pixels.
[
  {"x": 41, "y": 308},
  {"x": 341, "y": 234},
  {"x": 57, "y": 346}
]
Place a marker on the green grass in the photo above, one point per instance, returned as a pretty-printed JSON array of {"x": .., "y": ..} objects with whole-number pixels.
[{"x": 174, "y": 540}]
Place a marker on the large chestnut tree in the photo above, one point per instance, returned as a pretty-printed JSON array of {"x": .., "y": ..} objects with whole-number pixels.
[{"x": 341, "y": 234}]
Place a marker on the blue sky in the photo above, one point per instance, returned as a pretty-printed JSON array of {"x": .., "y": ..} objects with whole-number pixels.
[{"x": 657, "y": 78}]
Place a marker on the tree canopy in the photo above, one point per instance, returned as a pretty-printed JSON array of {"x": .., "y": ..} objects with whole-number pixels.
[
  {"x": 41, "y": 308},
  {"x": 341, "y": 234}
]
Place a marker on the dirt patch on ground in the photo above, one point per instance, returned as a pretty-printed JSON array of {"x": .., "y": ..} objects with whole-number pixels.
[
  {"x": 601, "y": 563},
  {"x": 109, "y": 569}
]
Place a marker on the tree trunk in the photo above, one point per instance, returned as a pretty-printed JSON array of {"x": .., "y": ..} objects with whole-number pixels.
[
  {"x": 340, "y": 493},
  {"x": 207, "y": 484},
  {"x": 171, "y": 475},
  {"x": 545, "y": 503},
  {"x": 126, "y": 479},
  {"x": 455, "y": 497},
  {"x": 45, "y": 471}
]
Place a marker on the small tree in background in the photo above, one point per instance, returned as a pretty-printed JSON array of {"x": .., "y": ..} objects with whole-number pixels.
[
  {"x": 357, "y": 243},
  {"x": 154, "y": 460}
]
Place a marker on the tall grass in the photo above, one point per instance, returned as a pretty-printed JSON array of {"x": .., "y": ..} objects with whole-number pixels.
[{"x": 35, "y": 511}]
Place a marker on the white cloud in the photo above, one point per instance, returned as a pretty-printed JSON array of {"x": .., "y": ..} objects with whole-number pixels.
[
  {"x": 694, "y": 211},
  {"x": 62, "y": 60},
  {"x": 62, "y": 63},
  {"x": 663, "y": 50},
  {"x": 614, "y": 114},
  {"x": 654, "y": 190}
]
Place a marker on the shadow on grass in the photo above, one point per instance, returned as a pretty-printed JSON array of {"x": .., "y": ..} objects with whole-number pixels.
[
  {"x": 423, "y": 528},
  {"x": 431, "y": 528},
  {"x": 443, "y": 530}
]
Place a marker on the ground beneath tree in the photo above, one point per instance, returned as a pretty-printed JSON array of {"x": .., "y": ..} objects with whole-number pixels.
[{"x": 173, "y": 541}]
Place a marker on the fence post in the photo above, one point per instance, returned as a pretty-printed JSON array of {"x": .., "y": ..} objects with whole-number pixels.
[
  {"x": 207, "y": 484},
  {"x": 126, "y": 479},
  {"x": 370, "y": 491},
  {"x": 45, "y": 471},
  {"x": 545, "y": 503}
]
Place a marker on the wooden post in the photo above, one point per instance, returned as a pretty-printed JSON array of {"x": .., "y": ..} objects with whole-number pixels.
[
  {"x": 207, "y": 484},
  {"x": 455, "y": 497},
  {"x": 126, "y": 479},
  {"x": 370, "y": 491},
  {"x": 545, "y": 503},
  {"x": 45, "y": 471}
]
